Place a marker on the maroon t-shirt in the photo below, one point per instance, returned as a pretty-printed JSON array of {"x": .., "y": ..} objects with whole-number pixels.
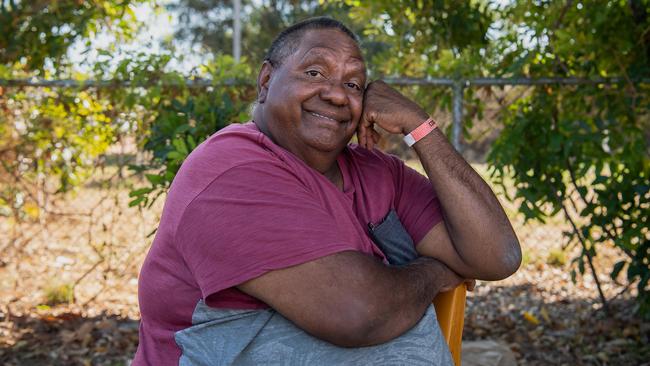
[{"x": 241, "y": 206}]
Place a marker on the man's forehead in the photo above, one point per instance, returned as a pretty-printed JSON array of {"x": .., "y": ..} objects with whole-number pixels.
[
  {"x": 329, "y": 42},
  {"x": 327, "y": 52}
]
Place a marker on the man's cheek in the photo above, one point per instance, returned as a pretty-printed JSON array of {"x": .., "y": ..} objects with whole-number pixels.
[{"x": 357, "y": 107}]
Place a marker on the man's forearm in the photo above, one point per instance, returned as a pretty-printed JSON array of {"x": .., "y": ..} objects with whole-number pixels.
[
  {"x": 351, "y": 299},
  {"x": 478, "y": 226},
  {"x": 399, "y": 296}
]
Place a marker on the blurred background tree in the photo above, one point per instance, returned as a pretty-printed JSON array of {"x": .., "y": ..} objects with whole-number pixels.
[
  {"x": 36, "y": 34},
  {"x": 210, "y": 23},
  {"x": 582, "y": 150},
  {"x": 49, "y": 133}
]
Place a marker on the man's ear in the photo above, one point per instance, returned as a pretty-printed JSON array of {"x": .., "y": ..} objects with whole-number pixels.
[{"x": 263, "y": 81}]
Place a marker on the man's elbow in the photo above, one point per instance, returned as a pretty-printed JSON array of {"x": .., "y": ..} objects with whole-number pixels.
[
  {"x": 350, "y": 335},
  {"x": 509, "y": 259},
  {"x": 356, "y": 326}
]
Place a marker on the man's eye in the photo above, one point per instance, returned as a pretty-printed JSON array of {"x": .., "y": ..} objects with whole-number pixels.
[
  {"x": 353, "y": 86},
  {"x": 313, "y": 73}
]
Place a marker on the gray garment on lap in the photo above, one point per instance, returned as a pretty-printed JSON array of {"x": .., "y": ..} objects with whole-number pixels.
[{"x": 264, "y": 337}]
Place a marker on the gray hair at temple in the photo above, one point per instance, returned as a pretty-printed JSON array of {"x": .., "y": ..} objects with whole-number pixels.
[{"x": 287, "y": 42}]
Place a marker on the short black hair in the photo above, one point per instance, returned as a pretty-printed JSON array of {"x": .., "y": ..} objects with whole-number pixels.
[{"x": 286, "y": 43}]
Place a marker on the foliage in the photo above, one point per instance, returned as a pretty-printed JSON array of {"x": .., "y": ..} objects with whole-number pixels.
[
  {"x": 63, "y": 133},
  {"x": 419, "y": 39},
  {"x": 209, "y": 23},
  {"x": 54, "y": 133},
  {"x": 434, "y": 38},
  {"x": 581, "y": 144},
  {"x": 59, "y": 294},
  {"x": 173, "y": 117},
  {"x": 51, "y": 133},
  {"x": 556, "y": 257},
  {"x": 33, "y": 33},
  {"x": 583, "y": 150}
]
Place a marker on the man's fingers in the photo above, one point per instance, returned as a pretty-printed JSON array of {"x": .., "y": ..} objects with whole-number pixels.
[
  {"x": 365, "y": 132},
  {"x": 360, "y": 135},
  {"x": 366, "y": 138},
  {"x": 370, "y": 141},
  {"x": 362, "y": 132},
  {"x": 374, "y": 137},
  {"x": 470, "y": 284}
]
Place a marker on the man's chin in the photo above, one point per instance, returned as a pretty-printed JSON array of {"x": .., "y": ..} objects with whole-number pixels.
[{"x": 328, "y": 145}]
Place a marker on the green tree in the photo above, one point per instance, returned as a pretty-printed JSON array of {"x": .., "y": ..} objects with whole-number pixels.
[
  {"x": 47, "y": 133},
  {"x": 173, "y": 117},
  {"x": 582, "y": 150},
  {"x": 420, "y": 39},
  {"x": 61, "y": 134},
  {"x": 33, "y": 33},
  {"x": 209, "y": 23}
]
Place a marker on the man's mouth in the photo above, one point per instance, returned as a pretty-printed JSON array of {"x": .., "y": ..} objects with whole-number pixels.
[{"x": 326, "y": 117}]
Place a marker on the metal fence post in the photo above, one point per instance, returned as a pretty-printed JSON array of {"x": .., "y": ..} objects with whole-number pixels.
[
  {"x": 457, "y": 113},
  {"x": 236, "y": 31}
]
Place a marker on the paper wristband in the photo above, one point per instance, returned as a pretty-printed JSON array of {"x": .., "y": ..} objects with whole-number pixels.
[{"x": 422, "y": 130}]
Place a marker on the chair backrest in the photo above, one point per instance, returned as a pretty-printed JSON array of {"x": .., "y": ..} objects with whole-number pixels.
[{"x": 450, "y": 310}]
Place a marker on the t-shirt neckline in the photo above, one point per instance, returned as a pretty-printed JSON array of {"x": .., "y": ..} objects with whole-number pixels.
[{"x": 348, "y": 187}]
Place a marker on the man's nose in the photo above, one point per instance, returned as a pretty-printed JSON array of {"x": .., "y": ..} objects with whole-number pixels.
[{"x": 334, "y": 93}]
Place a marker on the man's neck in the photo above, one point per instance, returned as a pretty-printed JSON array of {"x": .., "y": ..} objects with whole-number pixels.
[
  {"x": 323, "y": 162},
  {"x": 335, "y": 175}
]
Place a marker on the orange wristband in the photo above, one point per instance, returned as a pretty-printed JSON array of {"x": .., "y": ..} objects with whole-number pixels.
[{"x": 422, "y": 130}]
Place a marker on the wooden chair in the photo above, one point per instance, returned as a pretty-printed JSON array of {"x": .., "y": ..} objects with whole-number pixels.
[{"x": 450, "y": 310}]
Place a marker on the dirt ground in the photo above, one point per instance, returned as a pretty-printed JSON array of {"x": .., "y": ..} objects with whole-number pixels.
[{"x": 68, "y": 290}]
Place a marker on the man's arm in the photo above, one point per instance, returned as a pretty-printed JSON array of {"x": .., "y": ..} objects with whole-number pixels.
[
  {"x": 476, "y": 240},
  {"x": 351, "y": 299}
]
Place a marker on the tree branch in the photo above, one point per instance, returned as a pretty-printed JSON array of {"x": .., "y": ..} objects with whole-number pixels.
[
  {"x": 586, "y": 201},
  {"x": 585, "y": 252}
]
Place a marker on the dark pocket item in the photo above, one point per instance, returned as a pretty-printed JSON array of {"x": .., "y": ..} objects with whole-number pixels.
[{"x": 393, "y": 240}]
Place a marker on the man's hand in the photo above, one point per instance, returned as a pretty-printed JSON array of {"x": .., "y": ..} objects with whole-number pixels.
[
  {"x": 388, "y": 109},
  {"x": 449, "y": 280}
]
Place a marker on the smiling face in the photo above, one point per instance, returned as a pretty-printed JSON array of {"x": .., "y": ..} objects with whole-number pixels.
[{"x": 312, "y": 102}]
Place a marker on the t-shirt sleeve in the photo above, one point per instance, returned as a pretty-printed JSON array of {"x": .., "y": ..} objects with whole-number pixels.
[
  {"x": 416, "y": 201},
  {"x": 253, "y": 219}
]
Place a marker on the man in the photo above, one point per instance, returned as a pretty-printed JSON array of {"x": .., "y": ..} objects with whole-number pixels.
[{"x": 268, "y": 250}]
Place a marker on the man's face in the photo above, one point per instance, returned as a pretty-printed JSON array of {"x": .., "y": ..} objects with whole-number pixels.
[{"x": 314, "y": 98}]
